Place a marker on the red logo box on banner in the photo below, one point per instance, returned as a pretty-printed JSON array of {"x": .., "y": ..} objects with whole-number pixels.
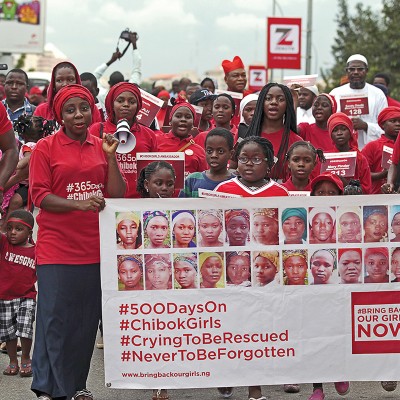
[
  {"x": 375, "y": 322},
  {"x": 284, "y": 43},
  {"x": 257, "y": 77}
]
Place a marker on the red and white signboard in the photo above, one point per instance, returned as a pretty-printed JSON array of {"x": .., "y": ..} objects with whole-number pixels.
[
  {"x": 284, "y": 43},
  {"x": 302, "y": 80},
  {"x": 386, "y": 157},
  {"x": 257, "y": 77},
  {"x": 354, "y": 106},
  {"x": 166, "y": 329},
  {"x": 342, "y": 164},
  {"x": 151, "y": 105}
]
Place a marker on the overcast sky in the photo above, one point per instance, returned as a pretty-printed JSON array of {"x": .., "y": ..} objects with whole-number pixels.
[{"x": 178, "y": 35}]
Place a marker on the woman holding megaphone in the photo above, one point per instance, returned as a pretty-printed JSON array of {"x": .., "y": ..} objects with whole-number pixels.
[{"x": 123, "y": 103}]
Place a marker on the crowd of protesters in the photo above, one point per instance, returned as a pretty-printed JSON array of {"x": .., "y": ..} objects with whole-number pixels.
[{"x": 272, "y": 144}]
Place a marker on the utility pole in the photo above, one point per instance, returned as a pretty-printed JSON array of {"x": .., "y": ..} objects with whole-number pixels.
[{"x": 309, "y": 30}]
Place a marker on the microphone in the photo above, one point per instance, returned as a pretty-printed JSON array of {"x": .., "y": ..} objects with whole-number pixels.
[{"x": 127, "y": 141}]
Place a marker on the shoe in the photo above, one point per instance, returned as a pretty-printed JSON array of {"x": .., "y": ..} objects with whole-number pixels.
[
  {"x": 3, "y": 348},
  {"x": 83, "y": 394},
  {"x": 318, "y": 394},
  {"x": 225, "y": 392},
  {"x": 26, "y": 370},
  {"x": 291, "y": 388},
  {"x": 389, "y": 386},
  {"x": 44, "y": 397},
  {"x": 11, "y": 369},
  {"x": 99, "y": 343},
  {"x": 342, "y": 387}
]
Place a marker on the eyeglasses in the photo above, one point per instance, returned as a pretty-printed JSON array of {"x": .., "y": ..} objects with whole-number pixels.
[
  {"x": 356, "y": 69},
  {"x": 254, "y": 160}
]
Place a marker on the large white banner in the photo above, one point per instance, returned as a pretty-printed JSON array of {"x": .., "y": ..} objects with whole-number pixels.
[
  {"x": 206, "y": 292},
  {"x": 22, "y": 26}
]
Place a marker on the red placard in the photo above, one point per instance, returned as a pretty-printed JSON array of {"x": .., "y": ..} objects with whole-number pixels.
[
  {"x": 284, "y": 43},
  {"x": 150, "y": 107},
  {"x": 386, "y": 157},
  {"x": 354, "y": 106},
  {"x": 342, "y": 164},
  {"x": 258, "y": 77}
]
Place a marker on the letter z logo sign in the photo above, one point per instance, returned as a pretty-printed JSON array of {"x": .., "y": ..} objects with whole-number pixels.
[{"x": 284, "y": 39}]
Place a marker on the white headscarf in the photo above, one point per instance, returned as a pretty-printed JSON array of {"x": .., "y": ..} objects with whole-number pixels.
[{"x": 246, "y": 100}]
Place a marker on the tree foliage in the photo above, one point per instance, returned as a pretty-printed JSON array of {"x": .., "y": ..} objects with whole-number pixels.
[{"x": 372, "y": 34}]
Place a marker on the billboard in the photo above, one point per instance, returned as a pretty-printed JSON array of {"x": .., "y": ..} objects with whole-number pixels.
[
  {"x": 23, "y": 24},
  {"x": 284, "y": 43}
]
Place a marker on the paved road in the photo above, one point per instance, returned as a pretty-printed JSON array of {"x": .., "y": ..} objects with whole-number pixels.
[{"x": 16, "y": 388}]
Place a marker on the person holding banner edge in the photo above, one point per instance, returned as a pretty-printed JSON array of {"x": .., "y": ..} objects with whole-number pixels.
[{"x": 68, "y": 269}]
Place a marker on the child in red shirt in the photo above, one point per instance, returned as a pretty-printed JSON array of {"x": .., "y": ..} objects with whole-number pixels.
[
  {"x": 255, "y": 160},
  {"x": 17, "y": 290},
  {"x": 302, "y": 160},
  {"x": 317, "y": 133},
  {"x": 389, "y": 121},
  {"x": 340, "y": 128}
]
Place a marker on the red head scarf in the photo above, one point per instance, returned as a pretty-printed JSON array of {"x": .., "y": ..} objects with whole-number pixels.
[
  {"x": 115, "y": 91},
  {"x": 327, "y": 176},
  {"x": 332, "y": 101},
  {"x": 180, "y": 102},
  {"x": 388, "y": 113},
  {"x": 342, "y": 251},
  {"x": 340, "y": 118},
  {"x": 163, "y": 93},
  {"x": 68, "y": 92},
  {"x": 52, "y": 87},
  {"x": 229, "y": 66}
]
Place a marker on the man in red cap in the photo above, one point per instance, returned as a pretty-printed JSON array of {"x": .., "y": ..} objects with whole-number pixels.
[{"x": 235, "y": 75}]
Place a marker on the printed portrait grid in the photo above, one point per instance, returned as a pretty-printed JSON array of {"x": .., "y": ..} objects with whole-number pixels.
[{"x": 255, "y": 247}]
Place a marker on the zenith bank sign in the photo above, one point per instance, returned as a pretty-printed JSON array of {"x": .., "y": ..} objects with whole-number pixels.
[{"x": 284, "y": 43}]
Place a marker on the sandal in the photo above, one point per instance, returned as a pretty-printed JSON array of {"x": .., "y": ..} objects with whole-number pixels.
[
  {"x": 158, "y": 395},
  {"x": 26, "y": 370},
  {"x": 83, "y": 394},
  {"x": 11, "y": 369}
]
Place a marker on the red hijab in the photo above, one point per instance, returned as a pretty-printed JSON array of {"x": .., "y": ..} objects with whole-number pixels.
[
  {"x": 340, "y": 118},
  {"x": 51, "y": 91},
  {"x": 68, "y": 92},
  {"x": 115, "y": 91}
]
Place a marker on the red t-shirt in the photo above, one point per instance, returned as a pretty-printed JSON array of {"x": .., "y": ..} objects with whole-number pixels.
[
  {"x": 234, "y": 186},
  {"x": 5, "y": 123},
  {"x": 200, "y": 139},
  {"x": 319, "y": 138},
  {"x": 291, "y": 188},
  {"x": 195, "y": 156},
  {"x": 276, "y": 138},
  {"x": 146, "y": 142},
  {"x": 71, "y": 170},
  {"x": 373, "y": 153},
  {"x": 17, "y": 271}
]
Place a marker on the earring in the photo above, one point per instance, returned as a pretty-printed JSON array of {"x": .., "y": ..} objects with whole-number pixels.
[
  {"x": 147, "y": 190},
  {"x": 62, "y": 122}
]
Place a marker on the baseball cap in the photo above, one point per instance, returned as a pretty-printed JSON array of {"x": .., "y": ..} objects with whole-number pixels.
[{"x": 201, "y": 95}]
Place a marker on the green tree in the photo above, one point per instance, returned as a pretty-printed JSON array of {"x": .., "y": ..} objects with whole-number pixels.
[{"x": 358, "y": 33}]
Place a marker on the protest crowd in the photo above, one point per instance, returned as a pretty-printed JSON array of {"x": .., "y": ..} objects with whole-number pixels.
[{"x": 276, "y": 142}]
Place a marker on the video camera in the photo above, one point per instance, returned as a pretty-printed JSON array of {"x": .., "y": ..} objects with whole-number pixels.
[{"x": 126, "y": 35}]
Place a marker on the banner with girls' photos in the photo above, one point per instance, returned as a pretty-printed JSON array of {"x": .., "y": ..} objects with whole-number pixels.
[{"x": 239, "y": 291}]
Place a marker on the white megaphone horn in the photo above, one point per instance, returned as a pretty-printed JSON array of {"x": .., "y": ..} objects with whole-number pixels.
[{"x": 127, "y": 140}]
